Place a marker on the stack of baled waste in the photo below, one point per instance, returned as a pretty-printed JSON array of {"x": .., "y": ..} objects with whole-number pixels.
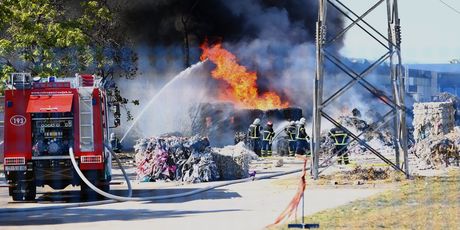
[
  {"x": 447, "y": 97},
  {"x": 432, "y": 119},
  {"x": 436, "y": 140},
  {"x": 233, "y": 161},
  {"x": 175, "y": 158}
]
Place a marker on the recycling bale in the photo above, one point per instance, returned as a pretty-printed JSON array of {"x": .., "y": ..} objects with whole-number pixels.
[
  {"x": 433, "y": 119},
  {"x": 233, "y": 161}
]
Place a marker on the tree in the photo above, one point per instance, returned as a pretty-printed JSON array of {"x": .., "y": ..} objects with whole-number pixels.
[
  {"x": 34, "y": 36},
  {"x": 53, "y": 38}
]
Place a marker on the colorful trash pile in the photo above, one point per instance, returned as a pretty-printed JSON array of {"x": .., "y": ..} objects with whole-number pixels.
[{"x": 189, "y": 159}]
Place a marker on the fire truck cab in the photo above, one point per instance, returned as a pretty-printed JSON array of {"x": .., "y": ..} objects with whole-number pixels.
[{"x": 43, "y": 119}]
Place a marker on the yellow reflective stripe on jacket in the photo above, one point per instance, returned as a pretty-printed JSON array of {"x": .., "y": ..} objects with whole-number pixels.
[
  {"x": 268, "y": 137},
  {"x": 254, "y": 131},
  {"x": 344, "y": 138}
]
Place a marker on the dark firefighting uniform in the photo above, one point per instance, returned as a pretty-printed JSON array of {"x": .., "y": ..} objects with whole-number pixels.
[
  {"x": 291, "y": 132},
  {"x": 340, "y": 137},
  {"x": 254, "y": 138},
  {"x": 303, "y": 146},
  {"x": 267, "y": 138}
]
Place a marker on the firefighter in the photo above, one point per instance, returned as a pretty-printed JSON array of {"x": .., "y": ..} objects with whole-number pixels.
[
  {"x": 115, "y": 143},
  {"x": 302, "y": 139},
  {"x": 340, "y": 138},
  {"x": 291, "y": 132},
  {"x": 267, "y": 139},
  {"x": 254, "y": 136}
]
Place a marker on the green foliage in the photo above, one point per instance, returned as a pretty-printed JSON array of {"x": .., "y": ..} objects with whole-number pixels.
[{"x": 49, "y": 37}]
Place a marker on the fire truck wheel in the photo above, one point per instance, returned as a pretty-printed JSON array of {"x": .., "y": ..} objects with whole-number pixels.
[
  {"x": 24, "y": 191},
  {"x": 86, "y": 193}
]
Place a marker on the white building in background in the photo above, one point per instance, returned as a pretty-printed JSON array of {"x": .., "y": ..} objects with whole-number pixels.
[{"x": 424, "y": 81}]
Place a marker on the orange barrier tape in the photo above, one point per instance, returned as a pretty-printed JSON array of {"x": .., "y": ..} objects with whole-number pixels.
[{"x": 292, "y": 207}]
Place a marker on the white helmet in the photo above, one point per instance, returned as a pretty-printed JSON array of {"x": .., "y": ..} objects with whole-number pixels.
[
  {"x": 292, "y": 123},
  {"x": 256, "y": 121},
  {"x": 302, "y": 121},
  {"x": 297, "y": 122}
]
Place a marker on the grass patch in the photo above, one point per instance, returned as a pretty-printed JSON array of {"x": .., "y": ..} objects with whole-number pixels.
[{"x": 422, "y": 203}]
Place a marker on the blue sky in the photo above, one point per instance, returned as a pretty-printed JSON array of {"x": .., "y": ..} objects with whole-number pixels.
[{"x": 430, "y": 31}]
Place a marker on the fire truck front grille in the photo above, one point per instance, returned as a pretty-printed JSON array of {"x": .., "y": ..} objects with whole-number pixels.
[
  {"x": 90, "y": 159},
  {"x": 15, "y": 161}
]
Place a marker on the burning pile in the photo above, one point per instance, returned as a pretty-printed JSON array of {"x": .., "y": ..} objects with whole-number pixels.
[
  {"x": 240, "y": 84},
  {"x": 380, "y": 139},
  {"x": 189, "y": 159}
]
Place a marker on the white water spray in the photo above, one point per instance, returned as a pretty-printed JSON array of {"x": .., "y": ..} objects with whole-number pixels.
[{"x": 159, "y": 95}]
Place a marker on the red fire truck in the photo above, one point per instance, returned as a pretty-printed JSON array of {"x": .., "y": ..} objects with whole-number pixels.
[{"x": 44, "y": 118}]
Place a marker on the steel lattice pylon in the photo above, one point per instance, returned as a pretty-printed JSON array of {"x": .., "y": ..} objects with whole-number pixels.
[{"x": 391, "y": 42}]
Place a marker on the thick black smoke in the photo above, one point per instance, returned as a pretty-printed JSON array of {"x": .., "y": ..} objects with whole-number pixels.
[
  {"x": 271, "y": 37},
  {"x": 162, "y": 21}
]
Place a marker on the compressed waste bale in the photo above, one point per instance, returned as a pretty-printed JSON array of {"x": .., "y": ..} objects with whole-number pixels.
[
  {"x": 432, "y": 119},
  {"x": 447, "y": 97},
  {"x": 233, "y": 161},
  {"x": 175, "y": 158},
  {"x": 437, "y": 152}
]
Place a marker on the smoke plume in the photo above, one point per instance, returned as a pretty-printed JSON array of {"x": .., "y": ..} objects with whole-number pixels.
[{"x": 275, "y": 38}]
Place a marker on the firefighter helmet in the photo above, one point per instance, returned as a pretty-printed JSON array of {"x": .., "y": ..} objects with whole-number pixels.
[
  {"x": 256, "y": 121},
  {"x": 302, "y": 121},
  {"x": 269, "y": 123}
]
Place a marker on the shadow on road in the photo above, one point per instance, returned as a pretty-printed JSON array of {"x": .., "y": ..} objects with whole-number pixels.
[
  {"x": 86, "y": 215},
  {"x": 74, "y": 195}
]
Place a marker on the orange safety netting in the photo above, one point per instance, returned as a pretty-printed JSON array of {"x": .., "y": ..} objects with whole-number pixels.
[{"x": 292, "y": 207}]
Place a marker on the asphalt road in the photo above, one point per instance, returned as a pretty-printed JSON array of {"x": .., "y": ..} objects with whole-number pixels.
[{"x": 251, "y": 205}]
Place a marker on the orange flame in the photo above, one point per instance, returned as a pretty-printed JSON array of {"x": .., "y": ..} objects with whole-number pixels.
[{"x": 242, "y": 88}]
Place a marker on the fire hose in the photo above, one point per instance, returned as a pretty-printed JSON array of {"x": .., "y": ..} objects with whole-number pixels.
[{"x": 115, "y": 198}]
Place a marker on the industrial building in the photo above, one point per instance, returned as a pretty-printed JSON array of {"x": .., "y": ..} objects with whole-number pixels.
[{"x": 425, "y": 81}]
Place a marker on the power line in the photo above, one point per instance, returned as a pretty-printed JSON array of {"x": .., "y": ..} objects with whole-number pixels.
[{"x": 451, "y": 7}]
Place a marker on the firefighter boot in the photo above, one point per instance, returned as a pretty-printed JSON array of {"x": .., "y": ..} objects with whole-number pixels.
[
  {"x": 345, "y": 159},
  {"x": 264, "y": 153}
]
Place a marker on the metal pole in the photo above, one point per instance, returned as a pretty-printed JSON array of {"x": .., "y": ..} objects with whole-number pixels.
[
  {"x": 394, "y": 79},
  {"x": 391, "y": 41},
  {"x": 402, "y": 89},
  {"x": 318, "y": 93},
  {"x": 303, "y": 208}
]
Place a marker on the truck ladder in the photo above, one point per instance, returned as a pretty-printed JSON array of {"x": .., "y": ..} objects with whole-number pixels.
[{"x": 86, "y": 119}]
